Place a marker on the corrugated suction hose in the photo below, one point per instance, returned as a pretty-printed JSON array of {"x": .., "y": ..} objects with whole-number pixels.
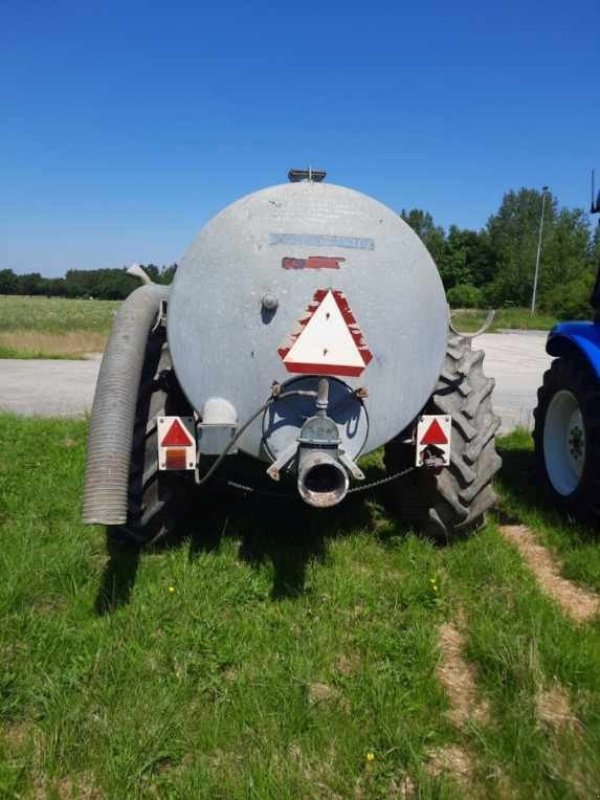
[{"x": 113, "y": 412}]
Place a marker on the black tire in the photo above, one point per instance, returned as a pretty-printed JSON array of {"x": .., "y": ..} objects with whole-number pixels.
[
  {"x": 453, "y": 502},
  {"x": 156, "y": 499},
  {"x": 568, "y": 463}
]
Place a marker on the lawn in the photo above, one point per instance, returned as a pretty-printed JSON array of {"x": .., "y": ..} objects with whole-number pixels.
[
  {"x": 276, "y": 652},
  {"x": 504, "y": 318},
  {"x": 57, "y": 327},
  {"x": 50, "y": 327}
]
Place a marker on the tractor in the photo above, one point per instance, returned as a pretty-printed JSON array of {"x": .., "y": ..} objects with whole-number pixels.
[
  {"x": 567, "y": 418},
  {"x": 305, "y": 327}
]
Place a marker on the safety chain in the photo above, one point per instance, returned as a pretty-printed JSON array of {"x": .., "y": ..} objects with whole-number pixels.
[
  {"x": 355, "y": 489},
  {"x": 374, "y": 484}
]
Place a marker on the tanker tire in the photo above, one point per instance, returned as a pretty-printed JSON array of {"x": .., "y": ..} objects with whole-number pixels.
[
  {"x": 453, "y": 503},
  {"x": 156, "y": 499},
  {"x": 572, "y": 483}
]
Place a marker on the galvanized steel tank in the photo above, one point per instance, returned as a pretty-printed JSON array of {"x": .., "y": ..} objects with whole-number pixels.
[{"x": 255, "y": 273}]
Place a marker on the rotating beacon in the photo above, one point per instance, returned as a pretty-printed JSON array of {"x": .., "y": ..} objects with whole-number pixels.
[{"x": 306, "y": 326}]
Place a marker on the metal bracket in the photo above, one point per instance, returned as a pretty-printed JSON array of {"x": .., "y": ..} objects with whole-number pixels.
[
  {"x": 352, "y": 468},
  {"x": 313, "y": 175},
  {"x": 161, "y": 317},
  {"x": 488, "y": 321},
  {"x": 286, "y": 455}
]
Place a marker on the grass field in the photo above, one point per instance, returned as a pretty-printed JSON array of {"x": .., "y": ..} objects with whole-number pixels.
[
  {"x": 56, "y": 327},
  {"x": 50, "y": 327},
  {"x": 276, "y": 654},
  {"x": 505, "y": 318}
]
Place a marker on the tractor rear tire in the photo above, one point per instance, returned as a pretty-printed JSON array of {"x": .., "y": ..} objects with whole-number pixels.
[
  {"x": 452, "y": 503},
  {"x": 156, "y": 499},
  {"x": 566, "y": 437}
]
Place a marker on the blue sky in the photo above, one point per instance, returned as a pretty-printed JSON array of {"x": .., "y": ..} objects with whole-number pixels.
[{"x": 124, "y": 126}]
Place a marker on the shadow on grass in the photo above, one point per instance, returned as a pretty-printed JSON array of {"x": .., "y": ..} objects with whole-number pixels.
[
  {"x": 275, "y": 528},
  {"x": 118, "y": 578},
  {"x": 282, "y": 531},
  {"x": 518, "y": 478}
]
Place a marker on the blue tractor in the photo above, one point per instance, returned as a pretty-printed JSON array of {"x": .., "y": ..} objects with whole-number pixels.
[{"x": 567, "y": 418}]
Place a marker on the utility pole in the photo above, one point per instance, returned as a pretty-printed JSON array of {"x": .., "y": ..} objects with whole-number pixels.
[{"x": 539, "y": 250}]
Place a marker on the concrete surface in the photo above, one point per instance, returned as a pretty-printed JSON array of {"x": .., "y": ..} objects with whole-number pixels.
[
  {"x": 48, "y": 387},
  {"x": 516, "y": 360}
]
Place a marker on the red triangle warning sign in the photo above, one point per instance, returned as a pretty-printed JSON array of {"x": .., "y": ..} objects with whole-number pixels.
[
  {"x": 177, "y": 436},
  {"x": 434, "y": 434},
  {"x": 327, "y": 340}
]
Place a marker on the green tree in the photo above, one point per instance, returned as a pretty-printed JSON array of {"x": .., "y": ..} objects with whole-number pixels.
[
  {"x": 104, "y": 284},
  {"x": 513, "y": 235},
  {"x": 467, "y": 259},
  {"x": 432, "y": 236},
  {"x": 9, "y": 282},
  {"x": 168, "y": 273},
  {"x": 595, "y": 247},
  {"x": 30, "y": 283},
  {"x": 568, "y": 255},
  {"x": 152, "y": 271}
]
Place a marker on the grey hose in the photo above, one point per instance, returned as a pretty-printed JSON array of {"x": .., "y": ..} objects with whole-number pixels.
[{"x": 113, "y": 412}]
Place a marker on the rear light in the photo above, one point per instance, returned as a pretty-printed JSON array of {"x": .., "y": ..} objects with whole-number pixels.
[
  {"x": 175, "y": 458},
  {"x": 176, "y": 443}
]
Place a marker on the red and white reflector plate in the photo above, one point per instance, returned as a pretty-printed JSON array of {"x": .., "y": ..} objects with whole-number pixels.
[
  {"x": 176, "y": 443},
  {"x": 433, "y": 440},
  {"x": 327, "y": 339}
]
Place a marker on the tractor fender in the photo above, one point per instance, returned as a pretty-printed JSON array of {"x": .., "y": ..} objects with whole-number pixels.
[{"x": 582, "y": 338}]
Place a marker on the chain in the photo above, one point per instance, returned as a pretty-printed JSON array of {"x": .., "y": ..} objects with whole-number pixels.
[
  {"x": 374, "y": 484},
  {"x": 243, "y": 487},
  {"x": 365, "y": 487}
]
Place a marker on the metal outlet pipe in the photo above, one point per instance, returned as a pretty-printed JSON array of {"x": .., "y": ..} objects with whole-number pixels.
[{"x": 322, "y": 480}]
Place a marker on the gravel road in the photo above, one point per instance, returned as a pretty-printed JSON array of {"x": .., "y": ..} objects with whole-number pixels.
[{"x": 53, "y": 388}]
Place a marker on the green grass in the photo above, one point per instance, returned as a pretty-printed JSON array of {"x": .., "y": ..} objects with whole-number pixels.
[
  {"x": 523, "y": 498},
  {"x": 29, "y": 353},
  {"x": 267, "y": 652},
  {"x": 505, "y": 318},
  {"x": 55, "y": 314},
  {"x": 56, "y": 327},
  {"x": 53, "y": 327}
]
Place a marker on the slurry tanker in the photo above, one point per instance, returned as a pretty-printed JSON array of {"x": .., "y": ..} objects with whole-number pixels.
[{"x": 306, "y": 326}]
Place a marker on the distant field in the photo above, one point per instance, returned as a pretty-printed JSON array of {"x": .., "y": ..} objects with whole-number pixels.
[
  {"x": 41, "y": 327},
  {"x": 278, "y": 653},
  {"x": 56, "y": 327},
  {"x": 511, "y": 318}
]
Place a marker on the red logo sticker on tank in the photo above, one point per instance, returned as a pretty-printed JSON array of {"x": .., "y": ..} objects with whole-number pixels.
[
  {"x": 327, "y": 339},
  {"x": 312, "y": 262}
]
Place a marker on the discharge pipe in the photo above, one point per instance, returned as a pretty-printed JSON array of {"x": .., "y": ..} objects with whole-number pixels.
[{"x": 322, "y": 480}]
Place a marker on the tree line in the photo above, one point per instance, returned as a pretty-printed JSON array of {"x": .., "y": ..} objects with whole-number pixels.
[
  {"x": 494, "y": 267},
  {"x": 102, "y": 284},
  {"x": 491, "y": 267}
]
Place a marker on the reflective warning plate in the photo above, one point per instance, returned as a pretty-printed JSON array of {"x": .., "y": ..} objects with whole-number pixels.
[
  {"x": 327, "y": 339},
  {"x": 176, "y": 443},
  {"x": 433, "y": 440}
]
